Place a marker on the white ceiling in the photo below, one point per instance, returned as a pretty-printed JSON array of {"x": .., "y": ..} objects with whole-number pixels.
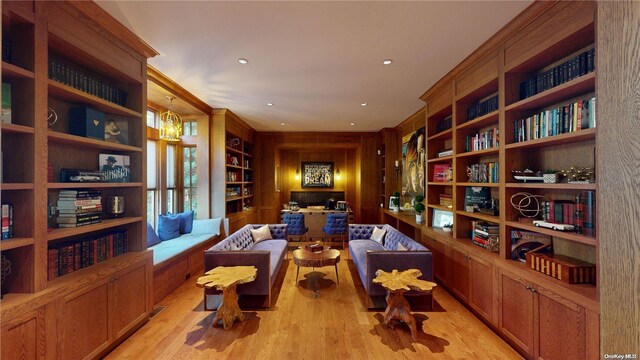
[{"x": 315, "y": 61}]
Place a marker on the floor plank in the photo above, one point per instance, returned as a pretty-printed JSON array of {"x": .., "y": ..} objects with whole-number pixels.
[{"x": 334, "y": 325}]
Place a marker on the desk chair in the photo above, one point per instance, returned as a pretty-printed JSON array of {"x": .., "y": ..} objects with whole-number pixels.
[
  {"x": 296, "y": 225},
  {"x": 337, "y": 224}
]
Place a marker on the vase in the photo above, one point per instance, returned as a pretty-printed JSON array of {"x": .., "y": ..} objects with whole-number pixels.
[{"x": 419, "y": 218}]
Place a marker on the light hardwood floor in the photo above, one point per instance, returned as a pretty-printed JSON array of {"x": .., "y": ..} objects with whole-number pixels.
[{"x": 336, "y": 325}]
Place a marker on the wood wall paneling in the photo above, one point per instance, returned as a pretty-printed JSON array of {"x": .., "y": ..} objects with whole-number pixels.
[{"x": 617, "y": 153}]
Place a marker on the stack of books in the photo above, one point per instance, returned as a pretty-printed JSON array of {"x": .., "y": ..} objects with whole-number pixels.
[
  {"x": 79, "y": 207},
  {"x": 485, "y": 234},
  {"x": 446, "y": 200},
  {"x": 7, "y": 221}
]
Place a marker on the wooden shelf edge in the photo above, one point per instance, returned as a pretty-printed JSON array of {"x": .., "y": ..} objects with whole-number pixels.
[
  {"x": 573, "y": 87},
  {"x": 444, "y": 158},
  {"x": 472, "y": 184},
  {"x": 234, "y": 166},
  {"x": 489, "y": 151},
  {"x": 57, "y": 89},
  {"x": 17, "y": 186},
  {"x": 561, "y": 234},
  {"x": 60, "y": 233},
  {"x": 481, "y": 121},
  {"x": 450, "y": 183},
  {"x": 235, "y": 198},
  {"x": 58, "y": 137},
  {"x": 15, "y": 128},
  {"x": 562, "y": 186},
  {"x": 479, "y": 216},
  {"x": 439, "y": 207},
  {"x": 233, "y": 150},
  {"x": 440, "y": 134},
  {"x": 15, "y": 243},
  {"x": 565, "y": 138},
  {"x": 15, "y": 71},
  {"x": 91, "y": 185}
]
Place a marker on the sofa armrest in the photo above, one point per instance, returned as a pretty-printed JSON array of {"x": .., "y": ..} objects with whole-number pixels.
[
  {"x": 258, "y": 258},
  {"x": 361, "y": 231},
  {"x": 396, "y": 260}
]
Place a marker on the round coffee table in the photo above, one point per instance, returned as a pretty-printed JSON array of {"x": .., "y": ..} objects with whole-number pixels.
[{"x": 304, "y": 258}]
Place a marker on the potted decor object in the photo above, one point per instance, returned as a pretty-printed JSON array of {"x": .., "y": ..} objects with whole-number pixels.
[
  {"x": 447, "y": 227},
  {"x": 419, "y": 208},
  {"x": 395, "y": 202},
  {"x": 550, "y": 176}
]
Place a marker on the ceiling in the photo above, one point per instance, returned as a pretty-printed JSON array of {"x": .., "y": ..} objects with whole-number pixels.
[{"x": 315, "y": 61}]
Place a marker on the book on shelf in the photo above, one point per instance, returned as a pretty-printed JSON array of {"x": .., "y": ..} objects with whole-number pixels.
[
  {"x": 7, "y": 221},
  {"x": 575, "y": 67},
  {"x": 72, "y": 256},
  {"x": 79, "y": 207},
  {"x": 525, "y": 241},
  {"x": 446, "y": 152},
  {"x": 481, "y": 141},
  {"x": 580, "y": 214},
  {"x": 483, "y": 173},
  {"x": 483, "y": 107},
  {"x": 444, "y": 124},
  {"x": 5, "y": 114},
  {"x": 446, "y": 200},
  {"x": 442, "y": 172},
  {"x": 476, "y": 197},
  {"x": 115, "y": 168},
  {"x": 562, "y": 119}
]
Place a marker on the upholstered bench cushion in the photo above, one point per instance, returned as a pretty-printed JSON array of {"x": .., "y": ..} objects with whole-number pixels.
[{"x": 170, "y": 248}]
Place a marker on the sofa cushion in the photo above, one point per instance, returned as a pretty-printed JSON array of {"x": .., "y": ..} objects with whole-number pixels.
[
  {"x": 186, "y": 221},
  {"x": 152, "y": 237},
  {"x": 378, "y": 235},
  {"x": 206, "y": 226},
  {"x": 261, "y": 233},
  {"x": 400, "y": 247},
  {"x": 277, "y": 249},
  {"x": 168, "y": 227},
  {"x": 170, "y": 248},
  {"x": 394, "y": 236}
]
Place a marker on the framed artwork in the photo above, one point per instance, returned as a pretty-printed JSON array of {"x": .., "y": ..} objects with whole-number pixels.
[
  {"x": 116, "y": 131},
  {"x": 441, "y": 218},
  {"x": 413, "y": 164},
  {"x": 317, "y": 174}
]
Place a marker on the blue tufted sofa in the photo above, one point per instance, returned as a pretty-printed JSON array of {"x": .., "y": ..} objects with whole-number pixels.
[
  {"x": 239, "y": 249},
  {"x": 369, "y": 256}
]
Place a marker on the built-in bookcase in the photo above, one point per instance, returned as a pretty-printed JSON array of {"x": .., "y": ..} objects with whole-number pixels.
[{"x": 239, "y": 192}]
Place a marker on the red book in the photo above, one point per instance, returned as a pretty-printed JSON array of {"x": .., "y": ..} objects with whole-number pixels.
[{"x": 441, "y": 173}]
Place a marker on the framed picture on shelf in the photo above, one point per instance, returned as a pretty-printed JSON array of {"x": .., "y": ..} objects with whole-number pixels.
[
  {"x": 115, "y": 168},
  {"x": 317, "y": 174},
  {"x": 116, "y": 131},
  {"x": 441, "y": 218}
]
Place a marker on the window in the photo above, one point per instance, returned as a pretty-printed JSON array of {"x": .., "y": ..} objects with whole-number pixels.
[
  {"x": 151, "y": 118},
  {"x": 152, "y": 183},
  {"x": 190, "y": 179},
  {"x": 190, "y": 128},
  {"x": 171, "y": 178}
]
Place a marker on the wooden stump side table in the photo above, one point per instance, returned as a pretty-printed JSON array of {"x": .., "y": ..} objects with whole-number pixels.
[
  {"x": 397, "y": 283},
  {"x": 225, "y": 279}
]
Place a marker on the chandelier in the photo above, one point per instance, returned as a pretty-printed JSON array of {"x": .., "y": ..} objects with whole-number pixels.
[{"x": 170, "y": 123}]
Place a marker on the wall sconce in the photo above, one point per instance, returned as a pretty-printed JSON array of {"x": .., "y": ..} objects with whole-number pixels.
[
  {"x": 297, "y": 176},
  {"x": 337, "y": 174}
]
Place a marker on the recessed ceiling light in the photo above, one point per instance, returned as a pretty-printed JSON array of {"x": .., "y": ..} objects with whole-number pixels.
[
  {"x": 269, "y": 104},
  {"x": 243, "y": 61},
  {"x": 281, "y": 124},
  {"x": 353, "y": 124},
  {"x": 363, "y": 104},
  {"x": 387, "y": 61}
]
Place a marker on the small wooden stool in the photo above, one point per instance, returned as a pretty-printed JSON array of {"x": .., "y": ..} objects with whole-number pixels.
[
  {"x": 225, "y": 279},
  {"x": 397, "y": 283}
]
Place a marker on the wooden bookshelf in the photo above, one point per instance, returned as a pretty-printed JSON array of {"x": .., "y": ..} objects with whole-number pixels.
[
  {"x": 85, "y": 35},
  {"x": 475, "y": 275}
]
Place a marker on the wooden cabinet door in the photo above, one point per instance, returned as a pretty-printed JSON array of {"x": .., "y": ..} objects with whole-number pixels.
[
  {"x": 516, "y": 315},
  {"x": 84, "y": 319},
  {"x": 129, "y": 299},
  {"x": 460, "y": 274},
  {"x": 561, "y": 328},
  {"x": 481, "y": 297},
  {"x": 24, "y": 337},
  {"x": 439, "y": 257}
]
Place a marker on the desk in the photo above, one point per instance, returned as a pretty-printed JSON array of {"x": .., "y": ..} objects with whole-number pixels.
[{"x": 315, "y": 219}]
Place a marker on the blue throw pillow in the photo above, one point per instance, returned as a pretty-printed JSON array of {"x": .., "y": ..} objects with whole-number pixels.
[
  {"x": 168, "y": 227},
  {"x": 186, "y": 222},
  {"x": 152, "y": 238}
]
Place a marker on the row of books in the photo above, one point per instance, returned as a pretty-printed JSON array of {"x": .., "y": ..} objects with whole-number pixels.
[
  {"x": 483, "y": 107},
  {"x": 485, "y": 235},
  {"x": 563, "y": 119},
  {"x": 484, "y": 140},
  {"x": 579, "y": 213},
  {"x": 567, "y": 71},
  {"x": 445, "y": 124},
  {"x": 7, "y": 221},
  {"x": 69, "y": 74},
  {"x": 69, "y": 257},
  {"x": 483, "y": 173},
  {"x": 79, "y": 207}
]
